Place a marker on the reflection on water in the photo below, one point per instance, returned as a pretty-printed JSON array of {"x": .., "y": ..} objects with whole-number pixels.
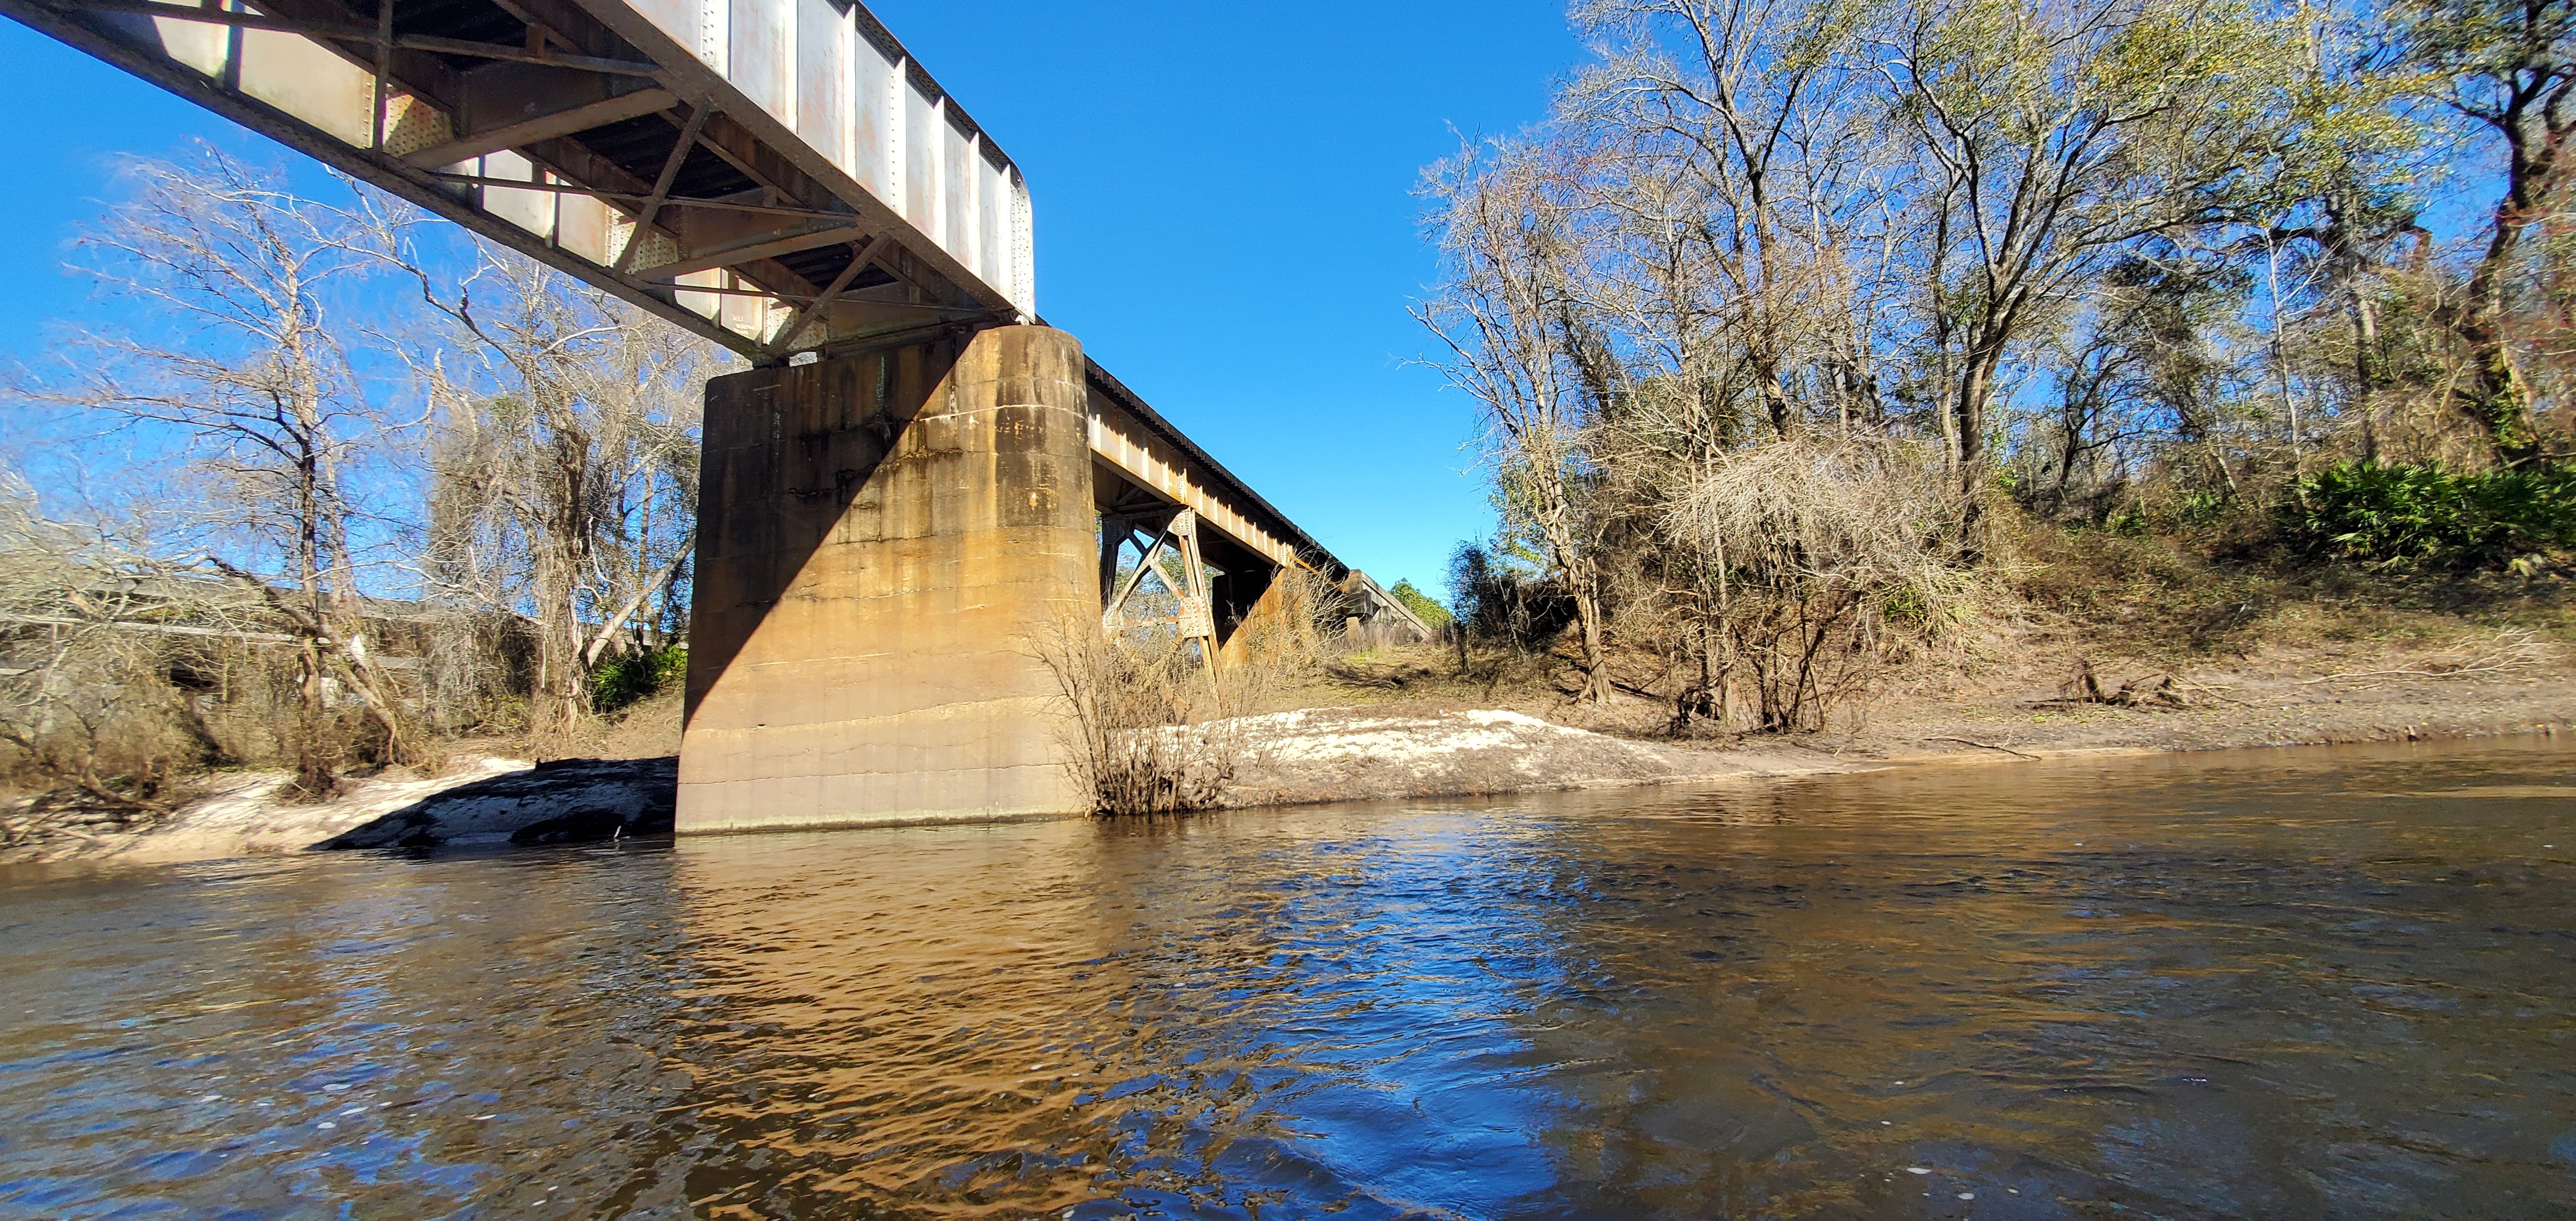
[{"x": 2281, "y": 984}]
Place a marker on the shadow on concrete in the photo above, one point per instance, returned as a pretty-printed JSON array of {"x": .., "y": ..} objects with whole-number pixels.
[
  {"x": 564, "y": 802},
  {"x": 787, "y": 451}
]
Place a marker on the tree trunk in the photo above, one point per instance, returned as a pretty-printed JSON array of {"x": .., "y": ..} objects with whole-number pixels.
[
  {"x": 1583, "y": 585},
  {"x": 313, "y": 762},
  {"x": 562, "y": 667},
  {"x": 2069, "y": 451},
  {"x": 2496, "y": 398},
  {"x": 2365, "y": 339},
  {"x": 376, "y": 691},
  {"x": 563, "y": 696},
  {"x": 1587, "y": 611},
  {"x": 1967, "y": 429}
]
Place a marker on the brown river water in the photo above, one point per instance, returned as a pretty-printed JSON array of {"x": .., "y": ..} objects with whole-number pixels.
[{"x": 2315, "y": 983}]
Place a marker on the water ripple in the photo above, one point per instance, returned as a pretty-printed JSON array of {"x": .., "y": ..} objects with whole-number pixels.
[{"x": 2316, "y": 983}]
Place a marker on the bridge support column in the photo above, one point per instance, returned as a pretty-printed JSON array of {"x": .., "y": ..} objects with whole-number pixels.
[
  {"x": 882, "y": 538},
  {"x": 1278, "y": 621}
]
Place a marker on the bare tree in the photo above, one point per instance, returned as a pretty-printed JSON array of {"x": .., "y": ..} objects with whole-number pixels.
[
  {"x": 1512, "y": 322},
  {"x": 564, "y": 458},
  {"x": 237, "y": 361},
  {"x": 1743, "y": 161}
]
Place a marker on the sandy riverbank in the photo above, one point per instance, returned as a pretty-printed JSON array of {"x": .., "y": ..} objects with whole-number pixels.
[
  {"x": 1432, "y": 746},
  {"x": 476, "y": 800},
  {"x": 1415, "y": 748}
]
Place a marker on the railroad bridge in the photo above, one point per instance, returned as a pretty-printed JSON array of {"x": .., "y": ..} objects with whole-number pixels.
[{"x": 916, "y": 480}]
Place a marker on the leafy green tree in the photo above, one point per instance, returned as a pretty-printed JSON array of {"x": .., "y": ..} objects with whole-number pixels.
[
  {"x": 2054, "y": 138},
  {"x": 1421, "y": 604}
]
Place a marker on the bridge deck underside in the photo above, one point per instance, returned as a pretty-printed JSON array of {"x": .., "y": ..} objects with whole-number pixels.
[
  {"x": 813, "y": 215},
  {"x": 777, "y": 176}
]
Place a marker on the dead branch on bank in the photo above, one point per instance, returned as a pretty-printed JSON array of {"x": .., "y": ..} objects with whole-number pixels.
[
  {"x": 2510, "y": 651},
  {"x": 2154, "y": 691},
  {"x": 1984, "y": 746}
]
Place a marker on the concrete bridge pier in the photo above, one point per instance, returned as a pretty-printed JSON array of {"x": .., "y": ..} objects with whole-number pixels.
[
  {"x": 881, "y": 532},
  {"x": 882, "y": 537}
]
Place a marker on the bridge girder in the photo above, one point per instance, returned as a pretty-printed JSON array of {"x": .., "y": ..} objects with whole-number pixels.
[{"x": 742, "y": 199}]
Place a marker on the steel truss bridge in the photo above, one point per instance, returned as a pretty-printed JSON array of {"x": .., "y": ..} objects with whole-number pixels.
[
  {"x": 915, "y": 468},
  {"x": 777, "y": 176}
]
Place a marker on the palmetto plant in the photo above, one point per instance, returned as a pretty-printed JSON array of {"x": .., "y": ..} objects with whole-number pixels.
[{"x": 2423, "y": 515}]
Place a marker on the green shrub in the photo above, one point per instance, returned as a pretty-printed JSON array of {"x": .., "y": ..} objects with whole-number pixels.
[
  {"x": 630, "y": 678},
  {"x": 2425, "y": 516},
  {"x": 2201, "y": 508},
  {"x": 1500, "y": 598}
]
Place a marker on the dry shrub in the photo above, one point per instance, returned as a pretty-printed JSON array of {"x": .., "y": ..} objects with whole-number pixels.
[
  {"x": 1797, "y": 570},
  {"x": 476, "y": 671},
  {"x": 97, "y": 722},
  {"x": 89, "y": 708},
  {"x": 1499, "y": 602},
  {"x": 1133, "y": 722},
  {"x": 123, "y": 672}
]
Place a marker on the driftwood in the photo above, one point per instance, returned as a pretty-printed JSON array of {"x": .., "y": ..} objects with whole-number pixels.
[
  {"x": 2213, "y": 691},
  {"x": 2153, "y": 691},
  {"x": 1985, "y": 746},
  {"x": 67, "y": 811},
  {"x": 2510, "y": 651}
]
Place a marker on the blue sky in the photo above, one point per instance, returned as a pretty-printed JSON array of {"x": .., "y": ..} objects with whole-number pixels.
[{"x": 1224, "y": 210}]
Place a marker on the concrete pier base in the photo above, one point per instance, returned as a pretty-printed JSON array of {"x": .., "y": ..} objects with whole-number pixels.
[{"x": 882, "y": 539}]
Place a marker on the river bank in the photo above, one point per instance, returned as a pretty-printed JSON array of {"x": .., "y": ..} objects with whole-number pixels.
[
  {"x": 1427, "y": 744},
  {"x": 1412, "y": 734}
]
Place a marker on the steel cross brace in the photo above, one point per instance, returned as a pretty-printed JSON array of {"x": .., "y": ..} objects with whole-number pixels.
[{"x": 1197, "y": 619}]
